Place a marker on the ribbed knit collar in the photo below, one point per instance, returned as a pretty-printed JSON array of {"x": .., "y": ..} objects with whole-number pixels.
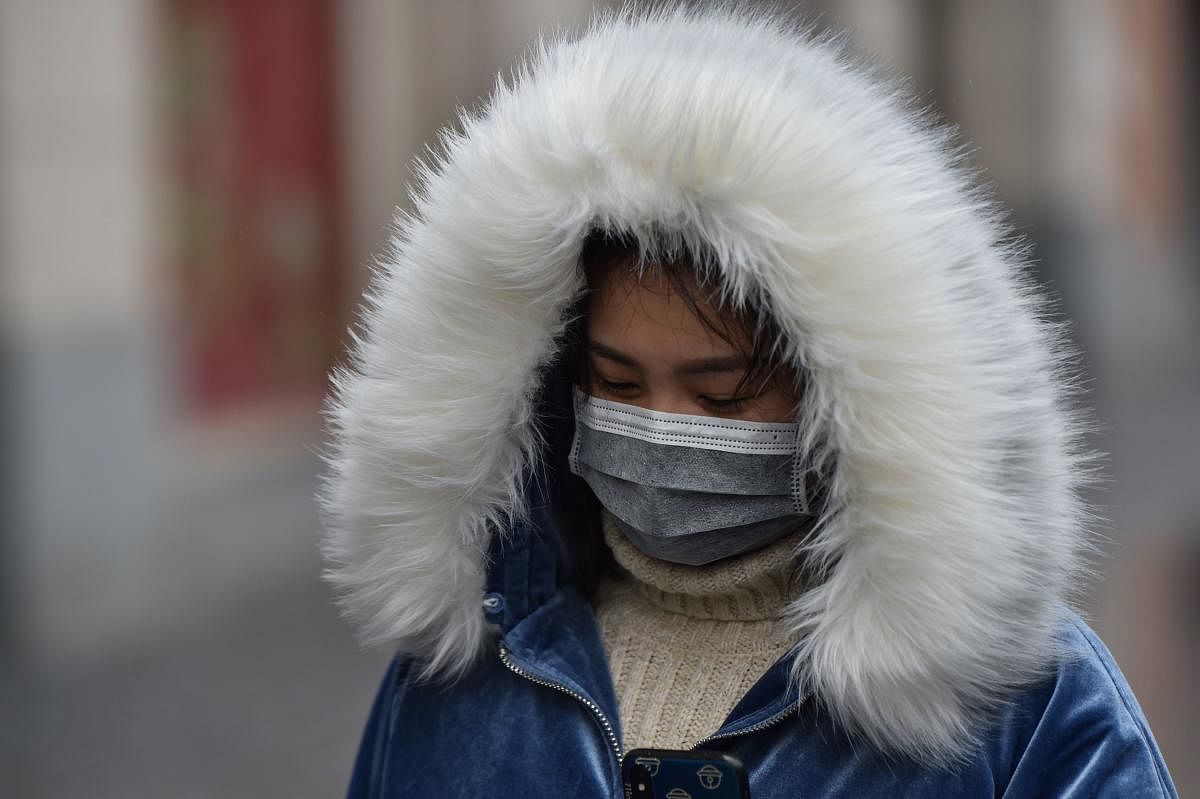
[{"x": 750, "y": 587}]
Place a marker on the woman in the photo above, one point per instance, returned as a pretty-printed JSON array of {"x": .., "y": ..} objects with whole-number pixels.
[{"x": 703, "y": 403}]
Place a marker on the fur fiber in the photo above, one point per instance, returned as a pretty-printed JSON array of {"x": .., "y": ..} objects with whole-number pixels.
[{"x": 940, "y": 392}]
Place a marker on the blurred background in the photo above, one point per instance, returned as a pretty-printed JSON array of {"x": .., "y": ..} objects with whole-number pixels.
[{"x": 190, "y": 194}]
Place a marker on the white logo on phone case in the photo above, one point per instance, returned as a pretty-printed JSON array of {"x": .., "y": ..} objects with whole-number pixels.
[
  {"x": 650, "y": 763},
  {"x": 710, "y": 776},
  {"x": 678, "y": 793}
]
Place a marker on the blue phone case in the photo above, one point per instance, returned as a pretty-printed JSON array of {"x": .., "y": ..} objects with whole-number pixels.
[{"x": 683, "y": 774}]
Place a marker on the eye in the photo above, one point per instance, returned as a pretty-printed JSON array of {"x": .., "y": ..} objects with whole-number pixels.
[
  {"x": 730, "y": 405},
  {"x": 616, "y": 387}
]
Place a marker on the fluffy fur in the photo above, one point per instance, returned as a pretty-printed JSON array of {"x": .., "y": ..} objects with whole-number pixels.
[{"x": 938, "y": 391}]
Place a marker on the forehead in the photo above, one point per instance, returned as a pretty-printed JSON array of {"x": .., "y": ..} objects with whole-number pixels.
[{"x": 648, "y": 318}]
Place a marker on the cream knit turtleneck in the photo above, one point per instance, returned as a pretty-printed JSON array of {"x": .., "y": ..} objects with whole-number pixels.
[{"x": 685, "y": 643}]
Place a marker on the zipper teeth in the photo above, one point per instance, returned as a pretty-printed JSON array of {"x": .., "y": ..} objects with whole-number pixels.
[
  {"x": 762, "y": 725},
  {"x": 604, "y": 722},
  {"x": 608, "y": 729}
]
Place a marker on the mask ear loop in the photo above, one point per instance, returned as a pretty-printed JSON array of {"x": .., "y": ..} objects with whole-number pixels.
[{"x": 573, "y": 453}]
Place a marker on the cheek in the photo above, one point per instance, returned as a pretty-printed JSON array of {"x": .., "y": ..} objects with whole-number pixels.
[{"x": 777, "y": 405}]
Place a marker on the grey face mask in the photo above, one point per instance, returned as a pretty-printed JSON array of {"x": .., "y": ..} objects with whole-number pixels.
[{"x": 689, "y": 489}]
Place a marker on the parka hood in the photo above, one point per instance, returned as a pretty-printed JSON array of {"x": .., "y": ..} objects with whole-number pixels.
[{"x": 938, "y": 394}]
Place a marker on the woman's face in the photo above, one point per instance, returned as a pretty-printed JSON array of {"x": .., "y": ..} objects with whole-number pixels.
[{"x": 647, "y": 348}]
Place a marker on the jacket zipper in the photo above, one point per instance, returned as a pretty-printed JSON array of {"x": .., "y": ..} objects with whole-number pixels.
[
  {"x": 592, "y": 706},
  {"x": 607, "y": 726},
  {"x": 762, "y": 725}
]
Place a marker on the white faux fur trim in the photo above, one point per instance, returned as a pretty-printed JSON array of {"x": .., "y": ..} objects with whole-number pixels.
[{"x": 938, "y": 388}]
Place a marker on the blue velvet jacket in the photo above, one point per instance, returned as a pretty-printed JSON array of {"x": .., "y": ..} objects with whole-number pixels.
[
  {"x": 537, "y": 717},
  {"x": 937, "y": 412}
]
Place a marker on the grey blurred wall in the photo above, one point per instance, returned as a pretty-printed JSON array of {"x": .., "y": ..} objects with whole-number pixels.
[{"x": 86, "y": 412}]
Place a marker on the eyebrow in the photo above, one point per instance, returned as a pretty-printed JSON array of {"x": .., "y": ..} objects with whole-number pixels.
[{"x": 725, "y": 363}]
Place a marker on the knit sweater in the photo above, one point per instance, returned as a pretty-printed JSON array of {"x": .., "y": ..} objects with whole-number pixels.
[{"x": 685, "y": 643}]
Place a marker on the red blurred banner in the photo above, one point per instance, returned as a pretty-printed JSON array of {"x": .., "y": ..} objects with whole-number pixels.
[{"x": 251, "y": 98}]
